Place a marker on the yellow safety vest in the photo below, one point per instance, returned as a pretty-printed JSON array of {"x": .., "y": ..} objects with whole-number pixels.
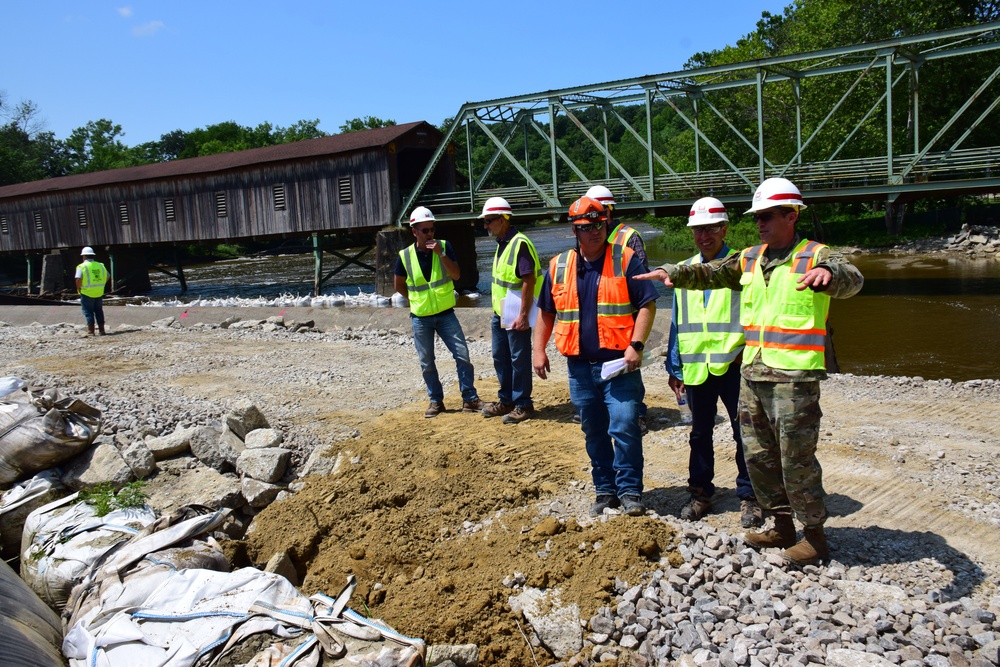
[
  {"x": 621, "y": 234},
  {"x": 427, "y": 297},
  {"x": 710, "y": 337},
  {"x": 505, "y": 270},
  {"x": 93, "y": 276},
  {"x": 786, "y": 326}
]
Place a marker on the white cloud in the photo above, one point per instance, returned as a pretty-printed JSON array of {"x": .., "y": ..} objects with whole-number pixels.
[
  {"x": 148, "y": 28},
  {"x": 125, "y": 11}
]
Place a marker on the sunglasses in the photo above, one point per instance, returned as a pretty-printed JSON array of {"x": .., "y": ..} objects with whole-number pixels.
[
  {"x": 491, "y": 219},
  {"x": 707, "y": 229},
  {"x": 767, "y": 215},
  {"x": 592, "y": 227},
  {"x": 426, "y": 230}
]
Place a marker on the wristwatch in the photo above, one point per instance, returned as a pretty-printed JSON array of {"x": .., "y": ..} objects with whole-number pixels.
[{"x": 637, "y": 345}]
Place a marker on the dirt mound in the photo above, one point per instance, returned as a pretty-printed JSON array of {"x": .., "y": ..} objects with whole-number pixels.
[{"x": 433, "y": 515}]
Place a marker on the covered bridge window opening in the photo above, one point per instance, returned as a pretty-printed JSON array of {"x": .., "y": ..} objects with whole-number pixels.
[
  {"x": 220, "y": 204},
  {"x": 345, "y": 195},
  {"x": 278, "y": 192},
  {"x": 38, "y": 220},
  {"x": 81, "y": 216},
  {"x": 168, "y": 210},
  {"x": 123, "y": 213},
  {"x": 3, "y": 225}
]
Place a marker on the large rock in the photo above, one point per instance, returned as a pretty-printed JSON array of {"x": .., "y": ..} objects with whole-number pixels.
[
  {"x": 557, "y": 626},
  {"x": 461, "y": 655},
  {"x": 262, "y": 438},
  {"x": 259, "y": 494},
  {"x": 208, "y": 445},
  {"x": 282, "y": 565},
  {"x": 139, "y": 459},
  {"x": 325, "y": 461},
  {"x": 842, "y": 657},
  {"x": 178, "y": 442},
  {"x": 245, "y": 417},
  {"x": 103, "y": 463},
  {"x": 266, "y": 465},
  {"x": 185, "y": 481}
]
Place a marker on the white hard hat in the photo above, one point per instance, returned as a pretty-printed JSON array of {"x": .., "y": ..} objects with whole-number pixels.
[
  {"x": 496, "y": 206},
  {"x": 421, "y": 214},
  {"x": 707, "y": 211},
  {"x": 88, "y": 251},
  {"x": 601, "y": 194},
  {"x": 776, "y": 192}
]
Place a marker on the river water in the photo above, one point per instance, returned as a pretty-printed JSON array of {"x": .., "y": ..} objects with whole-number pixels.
[{"x": 931, "y": 316}]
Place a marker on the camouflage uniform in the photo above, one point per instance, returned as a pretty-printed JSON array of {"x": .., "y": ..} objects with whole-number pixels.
[{"x": 779, "y": 408}]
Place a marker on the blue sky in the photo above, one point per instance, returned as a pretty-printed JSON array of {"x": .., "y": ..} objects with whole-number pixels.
[{"x": 154, "y": 67}]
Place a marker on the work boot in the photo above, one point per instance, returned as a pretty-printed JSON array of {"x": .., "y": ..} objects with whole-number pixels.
[
  {"x": 475, "y": 405},
  {"x": 632, "y": 505},
  {"x": 751, "y": 515},
  {"x": 434, "y": 409},
  {"x": 696, "y": 507},
  {"x": 576, "y": 418},
  {"x": 90, "y": 329},
  {"x": 100, "y": 328},
  {"x": 497, "y": 409},
  {"x": 782, "y": 535},
  {"x": 519, "y": 414},
  {"x": 810, "y": 550},
  {"x": 643, "y": 426},
  {"x": 604, "y": 501}
]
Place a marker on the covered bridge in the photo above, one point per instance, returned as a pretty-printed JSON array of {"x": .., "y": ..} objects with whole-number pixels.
[{"x": 346, "y": 183}]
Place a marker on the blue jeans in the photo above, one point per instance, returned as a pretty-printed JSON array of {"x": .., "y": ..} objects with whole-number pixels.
[
  {"x": 703, "y": 400},
  {"x": 93, "y": 308},
  {"x": 446, "y": 326},
  {"x": 609, "y": 417},
  {"x": 512, "y": 361}
]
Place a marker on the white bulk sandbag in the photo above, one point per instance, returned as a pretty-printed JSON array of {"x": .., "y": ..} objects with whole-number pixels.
[
  {"x": 9, "y": 385},
  {"x": 64, "y": 538},
  {"x": 30, "y": 632},
  {"x": 21, "y": 500},
  {"x": 41, "y": 429}
]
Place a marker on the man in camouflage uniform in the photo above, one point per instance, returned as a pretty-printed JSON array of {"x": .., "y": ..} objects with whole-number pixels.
[{"x": 786, "y": 284}]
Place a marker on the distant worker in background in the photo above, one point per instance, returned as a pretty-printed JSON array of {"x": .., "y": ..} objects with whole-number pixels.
[
  {"x": 785, "y": 285},
  {"x": 621, "y": 234},
  {"x": 706, "y": 338},
  {"x": 515, "y": 267},
  {"x": 599, "y": 313},
  {"x": 91, "y": 277},
  {"x": 424, "y": 274}
]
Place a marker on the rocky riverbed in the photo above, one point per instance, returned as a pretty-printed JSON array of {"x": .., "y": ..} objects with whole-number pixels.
[{"x": 474, "y": 534}]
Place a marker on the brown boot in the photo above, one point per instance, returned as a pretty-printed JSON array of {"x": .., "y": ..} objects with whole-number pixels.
[
  {"x": 782, "y": 535},
  {"x": 810, "y": 550},
  {"x": 90, "y": 329},
  {"x": 100, "y": 328}
]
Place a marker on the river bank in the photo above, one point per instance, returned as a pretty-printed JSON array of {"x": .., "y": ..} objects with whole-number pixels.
[{"x": 448, "y": 523}]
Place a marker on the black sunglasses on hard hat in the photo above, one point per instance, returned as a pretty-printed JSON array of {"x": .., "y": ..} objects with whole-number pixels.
[{"x": 589, "y": 215}]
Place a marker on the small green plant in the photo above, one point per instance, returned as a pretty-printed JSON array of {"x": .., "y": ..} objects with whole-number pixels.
[{"x": 104, "y": 500}]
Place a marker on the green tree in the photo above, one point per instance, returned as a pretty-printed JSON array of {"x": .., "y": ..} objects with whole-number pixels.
[
  {"x": 97, "y": 146},
  {"x": 365, "y": 123}
]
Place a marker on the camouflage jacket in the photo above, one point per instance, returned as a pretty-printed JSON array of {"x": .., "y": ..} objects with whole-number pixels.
[{"x": 846, "y": 281}]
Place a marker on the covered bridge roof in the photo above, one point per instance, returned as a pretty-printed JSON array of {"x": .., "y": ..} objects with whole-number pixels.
[{"x": 338, "y": 143}]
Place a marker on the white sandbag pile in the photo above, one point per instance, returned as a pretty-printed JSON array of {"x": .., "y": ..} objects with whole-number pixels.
[
  {"x": 137, "y": 608},
  {"x": 19, "y": 501},
  {"x": 41, "y": 429}
]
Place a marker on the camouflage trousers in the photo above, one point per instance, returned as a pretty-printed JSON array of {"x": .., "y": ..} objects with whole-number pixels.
[{"x": 779, "y": 422}]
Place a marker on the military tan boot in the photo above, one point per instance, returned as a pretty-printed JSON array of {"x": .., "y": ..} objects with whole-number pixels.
[
  {"x": 810, "y": 550},
  {"x": 782, "y": 535}
]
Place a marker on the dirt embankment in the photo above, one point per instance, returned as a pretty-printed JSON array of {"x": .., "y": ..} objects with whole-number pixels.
[{"x": 436, "y": 517}]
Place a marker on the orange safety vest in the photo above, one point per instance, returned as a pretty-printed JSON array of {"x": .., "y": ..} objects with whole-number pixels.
[
  {"x": 615, "y": 313},
  {"x": 786, "y": 326}
]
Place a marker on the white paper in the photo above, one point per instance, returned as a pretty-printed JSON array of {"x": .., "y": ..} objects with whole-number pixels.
[
  {"x": 616, "y": 367},
  {"x": 512, "y": 308}
]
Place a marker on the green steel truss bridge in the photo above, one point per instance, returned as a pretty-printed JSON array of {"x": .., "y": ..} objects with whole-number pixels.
[{"x": 844, "y": 124}]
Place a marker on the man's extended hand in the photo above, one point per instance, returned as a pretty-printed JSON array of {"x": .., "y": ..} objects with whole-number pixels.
[
  {"x": 817, "y": 279},
  {"x": 540, "y": 362},
  {"x": 655, "y": 274}
]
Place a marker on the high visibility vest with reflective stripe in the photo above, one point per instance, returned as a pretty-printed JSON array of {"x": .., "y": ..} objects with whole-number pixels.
[
  {"x": 621, "y": 234},
  {"x": 787, "y": 327},
  {"x": 427, "y": 298},
  {"x": 709, "y": 337},
  {"x": 93, "y": 276},
  {"x": 615, "y": 314},
  {"x": 505, "y": 270}
]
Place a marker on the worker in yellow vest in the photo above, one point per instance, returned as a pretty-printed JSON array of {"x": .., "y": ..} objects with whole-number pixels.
[
  {"x": 424, "y": 274},
  {"x": 91, "y": 277},
  {"x": 515, "y": 267},
  {"x": 785, "y": 286},
  {"x": 600, "y": 314},
  {"x": 706, "y": 338}
]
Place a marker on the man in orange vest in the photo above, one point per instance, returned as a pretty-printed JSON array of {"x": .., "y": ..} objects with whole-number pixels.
[
  {"x": 600, "y": 314},
  {"x": 785, "y": 286}
]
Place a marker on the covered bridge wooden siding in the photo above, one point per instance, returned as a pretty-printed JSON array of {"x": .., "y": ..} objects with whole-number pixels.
[{"x": 353, "y": 181}]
